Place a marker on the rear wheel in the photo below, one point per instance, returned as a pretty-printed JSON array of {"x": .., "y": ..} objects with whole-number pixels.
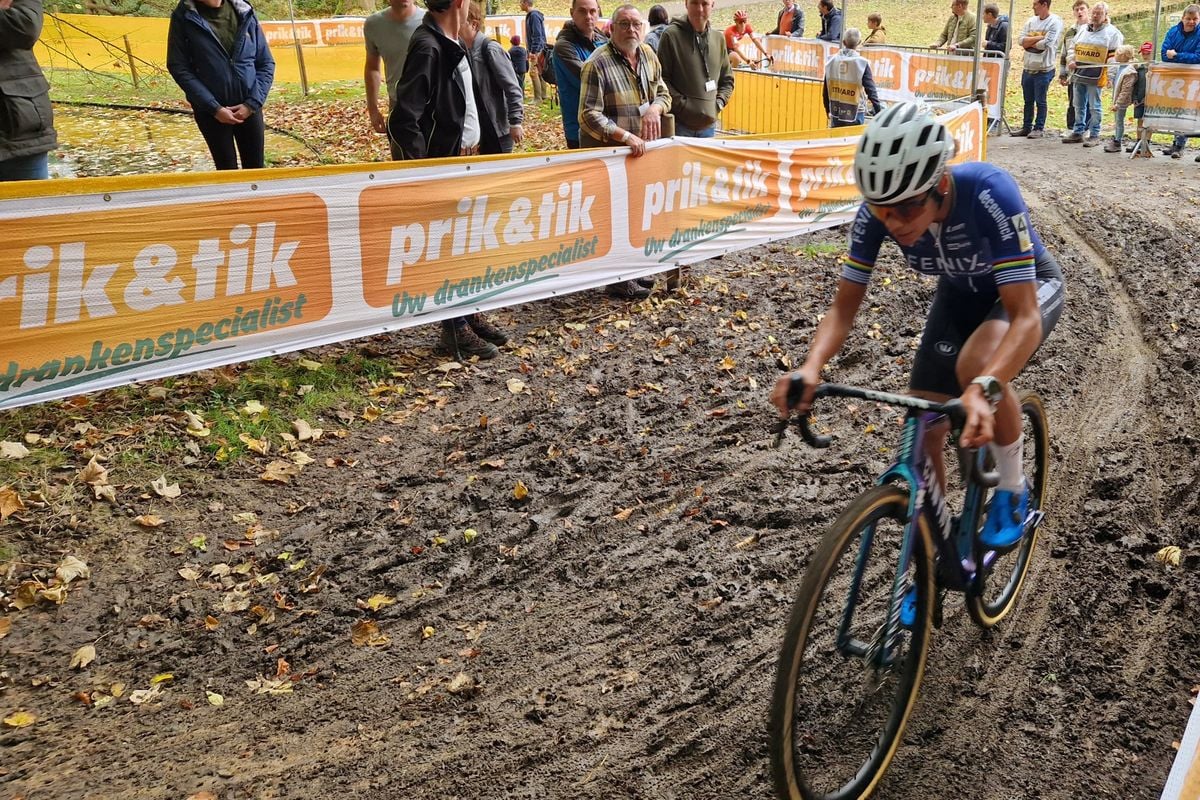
[
  {"x": 839, "y": 706},
  {"x": 993, "y": 594}
]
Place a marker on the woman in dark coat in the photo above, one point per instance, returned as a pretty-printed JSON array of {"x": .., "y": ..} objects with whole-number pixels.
[
  {"x": 26, "y": 118},
  {"x": 218, "y": 55}
]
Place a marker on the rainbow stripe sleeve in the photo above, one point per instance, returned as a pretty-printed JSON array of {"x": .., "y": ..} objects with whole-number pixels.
[
  {"x": 857, "y": 270},
  {"x": 1014, "y": 269}
]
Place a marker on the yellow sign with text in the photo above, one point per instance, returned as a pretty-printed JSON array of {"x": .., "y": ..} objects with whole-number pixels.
[
  {"x": 947, "y": 77},
  {"x": 72, "y": 286},
  {"x": 887, "y": 67},
  {"x": 1087, "y": 53},
  {"x": 462, "y": 240}
]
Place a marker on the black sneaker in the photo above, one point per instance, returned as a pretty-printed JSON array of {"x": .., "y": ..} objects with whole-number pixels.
[
  {"x": 459, "y": 341},
  {"x": 1021, "y": 133},
  {"x": 627, "y": 290},
  {"x": 486, "y": 330},
  {"x": 647, "y": 282}
]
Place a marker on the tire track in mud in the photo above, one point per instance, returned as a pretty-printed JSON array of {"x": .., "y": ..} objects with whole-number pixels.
[{"x": 1000, "y": 665}]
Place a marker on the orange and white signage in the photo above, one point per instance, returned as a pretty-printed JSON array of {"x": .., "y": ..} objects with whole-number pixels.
[
  {"x": 1173, "y": 98},
  {"x": 114, "y": 283}
]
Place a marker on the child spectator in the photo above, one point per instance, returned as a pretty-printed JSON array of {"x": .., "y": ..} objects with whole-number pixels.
[
  {"x": 878, "y": 33},
  {"x": 1129, "y": 88},
  {"x": 520, "y": 60}
]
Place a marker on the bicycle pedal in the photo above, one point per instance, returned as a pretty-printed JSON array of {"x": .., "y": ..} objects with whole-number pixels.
[{"x": 1033, "y": 521}]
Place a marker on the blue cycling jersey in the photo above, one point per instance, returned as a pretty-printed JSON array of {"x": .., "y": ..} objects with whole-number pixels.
[{"x": 984, "y": 243}]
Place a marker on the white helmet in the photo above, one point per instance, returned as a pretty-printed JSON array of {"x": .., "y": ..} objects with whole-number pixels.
[{"x": 902, "y": 154}]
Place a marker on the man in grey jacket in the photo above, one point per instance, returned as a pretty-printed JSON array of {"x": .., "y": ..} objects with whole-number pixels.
[{"x": 26, "y": 117}]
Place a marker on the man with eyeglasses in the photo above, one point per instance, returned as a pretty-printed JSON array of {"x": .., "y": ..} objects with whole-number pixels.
[
  {"x": 999, "y": 291},
  {"x": 622, "y": 102},
  {"x": 1039, "y": 39},
  {"x": 695, "y": 67}
]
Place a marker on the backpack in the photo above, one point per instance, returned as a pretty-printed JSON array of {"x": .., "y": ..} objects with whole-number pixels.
[{"x": 547, "y": 68}]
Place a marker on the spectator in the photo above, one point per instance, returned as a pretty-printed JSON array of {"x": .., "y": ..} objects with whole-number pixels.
[
  {"x": 877, "y": 33},
  {"x": 1129, "y": 89},
  {"x": 501, "y": 101},
  {"x": 518, "y": 56},
  {"x": 1090, "y": 51},
  {"x": 961, "y": 29},
  {"x": 790, "y": 21},
  {"x": 1181, "y": 45},
  {"x": 848, "y": 84},
  {"x": 1039, "y": 39},
  {"x": 1082, "y": 12},
  {"x": 622, "y": 102},
  {"x": 218, "y": 55},
  {"x": 831, "y": 22},
  {"x": 658, "y": 20},
  {"x": 437, "y": 73},
  {"x": 741, "y": 27},
  {"x": 696, "y": 70},
  {"x": 578, "y": 39},
  {"x": 26, "y": 120},
  {"x": 386, "y": 34},
  {"x": 996, "y": 35},
  {"x": 535, "y": 43}
]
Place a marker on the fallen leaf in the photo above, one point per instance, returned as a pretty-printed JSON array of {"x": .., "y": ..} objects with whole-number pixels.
[
  {"x": 149, "y": 521},
  {"x": 211, "y": 623},
  {"x": 83, "y": 656},
  {"x": 189, "y": 574},
  {"x": 747, "y": 543},
  {"x": 378, "y": 601},
  {"x": 214, "y": 699},
  {"x": 71, "y": 568},
  {"x": 19, "y": 719},
  {"x": 5, "y": 626},
  {"x": 461, "y": 684},
  {"x": 494, "y": 463},
  {"x": 623, "y": 514},
  {"x": 515, "y": 385},
  {"x": 93, "y": 473},
  {"x": 260, "y": 446},
  {"x": 105, "y": 492},
  {"x": 140, "y": 696},
  {"x": 1169, "y": 555},
  {"x": 13, "y": 450},
  {"x": 162, "y": 677},
  {"x": 727, "y": 363},
  {"x": 469, "y": 535},
  {"x": 428, "y": 631},
  {"x": 306, "y": 432},
  {"x": 163, "y": 489},
  {"x": 520, "y": 491},
  {"x": 309, "y": 364},
  {"x": 253, "y": 407},
  {"x": 372, "y": 413},
  {"x": 366, "y": 633},
  {"x": 280, "y": 472},
  {"x": 10, "y": 502},
  {"x": 55, "y": 594}
]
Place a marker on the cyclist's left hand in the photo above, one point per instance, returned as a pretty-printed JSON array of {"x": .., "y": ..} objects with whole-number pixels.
[{"x": 981, "y": 423}]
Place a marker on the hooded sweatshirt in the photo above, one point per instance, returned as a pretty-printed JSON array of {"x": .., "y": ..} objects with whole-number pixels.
[
  {"x": 692, "y": 63},
  {"x": 1097, "y": 44}
]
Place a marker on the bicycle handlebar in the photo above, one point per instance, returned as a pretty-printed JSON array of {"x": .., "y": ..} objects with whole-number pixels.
[{"x": 953, "y": 410}]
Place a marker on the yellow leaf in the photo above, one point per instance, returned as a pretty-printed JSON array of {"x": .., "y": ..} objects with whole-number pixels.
[
  {"x": 461, "y": 684},
  {"x": 83, "y": 656},
  {"x": 469, "y": 534},
  {"x": 727, "y": 363},
  {"x": 309, "y": 364},
  {"x": 211, "y": 623},
  {"x": 1169, "y": 555},
  {"x": 253, "y": 407},
  {"x": 20, "y": 719},
  {"x": 214, "y": 699},
  {"x": 162, "y": 677},
  {"x": 378, "y": 601},
  {"x": 260, "y": 446},
  {"x": 56, "y": 594},
  {"x": 747, "y": 543},
  {"x": 623, "y": 514},
  {"x": 280, "y": 472},
  {"x": 149, "y": 521},
  {"x": 5, "y": 626},
  {"x": 117, "y": 689},
  {"x": 366, "y": 633},
  {"x": 428, "y": 631},
  {"x": 10, "y": 502},
  {"x": 93, "y": 473},
  {"x": 520, "y": 491},
  {"x": 372, "y": 413},
  {"x": 515, "y": 385}
]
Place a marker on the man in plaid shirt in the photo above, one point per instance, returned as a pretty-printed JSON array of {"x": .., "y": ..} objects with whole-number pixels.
[{"x": 623, "y": 95}]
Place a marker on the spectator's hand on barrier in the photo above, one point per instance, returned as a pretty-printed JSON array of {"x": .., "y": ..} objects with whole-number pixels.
[
  {"x": 1171, "y": 54},
  {"x": 226, "y": 116},
  {"x": 243, "y": 112},
  {"x": 469, "y": 151},
  {"x": 517, "y": 132},
  {"x": 637, "y": 144},
  {"x": 378, "y": 123},
  {"x": 652, "y": 123}
]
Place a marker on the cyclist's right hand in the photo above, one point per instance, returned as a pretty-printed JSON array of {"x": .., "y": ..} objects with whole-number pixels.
[{"x": 779, "y": 395}]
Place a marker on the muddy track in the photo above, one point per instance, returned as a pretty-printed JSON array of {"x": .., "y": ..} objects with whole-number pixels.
[{"x": 620, "y": 624}]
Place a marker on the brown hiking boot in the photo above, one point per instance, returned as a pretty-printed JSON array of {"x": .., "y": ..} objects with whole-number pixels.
[
  {"x": 485, "y": 329},
  {"x": 1072, "y": 138},
  {"x": 627, "y": 290},
  {"x": 460, "y": 342}
]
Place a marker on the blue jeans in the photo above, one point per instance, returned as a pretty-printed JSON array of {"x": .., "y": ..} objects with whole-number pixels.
[
  {"x": 703, "y": 133},
  {"x": 1034, "y": 86},
  {"x": 1087, "y": 109},
  {"x": 26, "y": 168}
]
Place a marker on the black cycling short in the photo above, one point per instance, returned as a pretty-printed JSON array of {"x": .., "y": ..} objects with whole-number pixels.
[{"x": 954, "y": 316}]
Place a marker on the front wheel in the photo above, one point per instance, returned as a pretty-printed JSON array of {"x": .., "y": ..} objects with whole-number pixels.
[
  {"x": 994, "y": 591},
  {"x": 843, "y": 691}
]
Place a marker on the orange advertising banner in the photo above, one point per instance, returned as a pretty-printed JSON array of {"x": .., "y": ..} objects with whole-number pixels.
[
  {"x": 1173, "y": 98},
  {"x": 107, "y": 281}
]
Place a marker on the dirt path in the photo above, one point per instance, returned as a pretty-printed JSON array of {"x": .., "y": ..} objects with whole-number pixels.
[{"x": 614, "y": 633}]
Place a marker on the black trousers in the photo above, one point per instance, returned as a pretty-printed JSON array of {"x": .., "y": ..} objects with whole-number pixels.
[{"x": 221, "y": 139}]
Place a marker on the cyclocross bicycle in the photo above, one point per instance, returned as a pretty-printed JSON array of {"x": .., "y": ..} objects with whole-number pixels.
[{"x": 855, "y": 647}]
